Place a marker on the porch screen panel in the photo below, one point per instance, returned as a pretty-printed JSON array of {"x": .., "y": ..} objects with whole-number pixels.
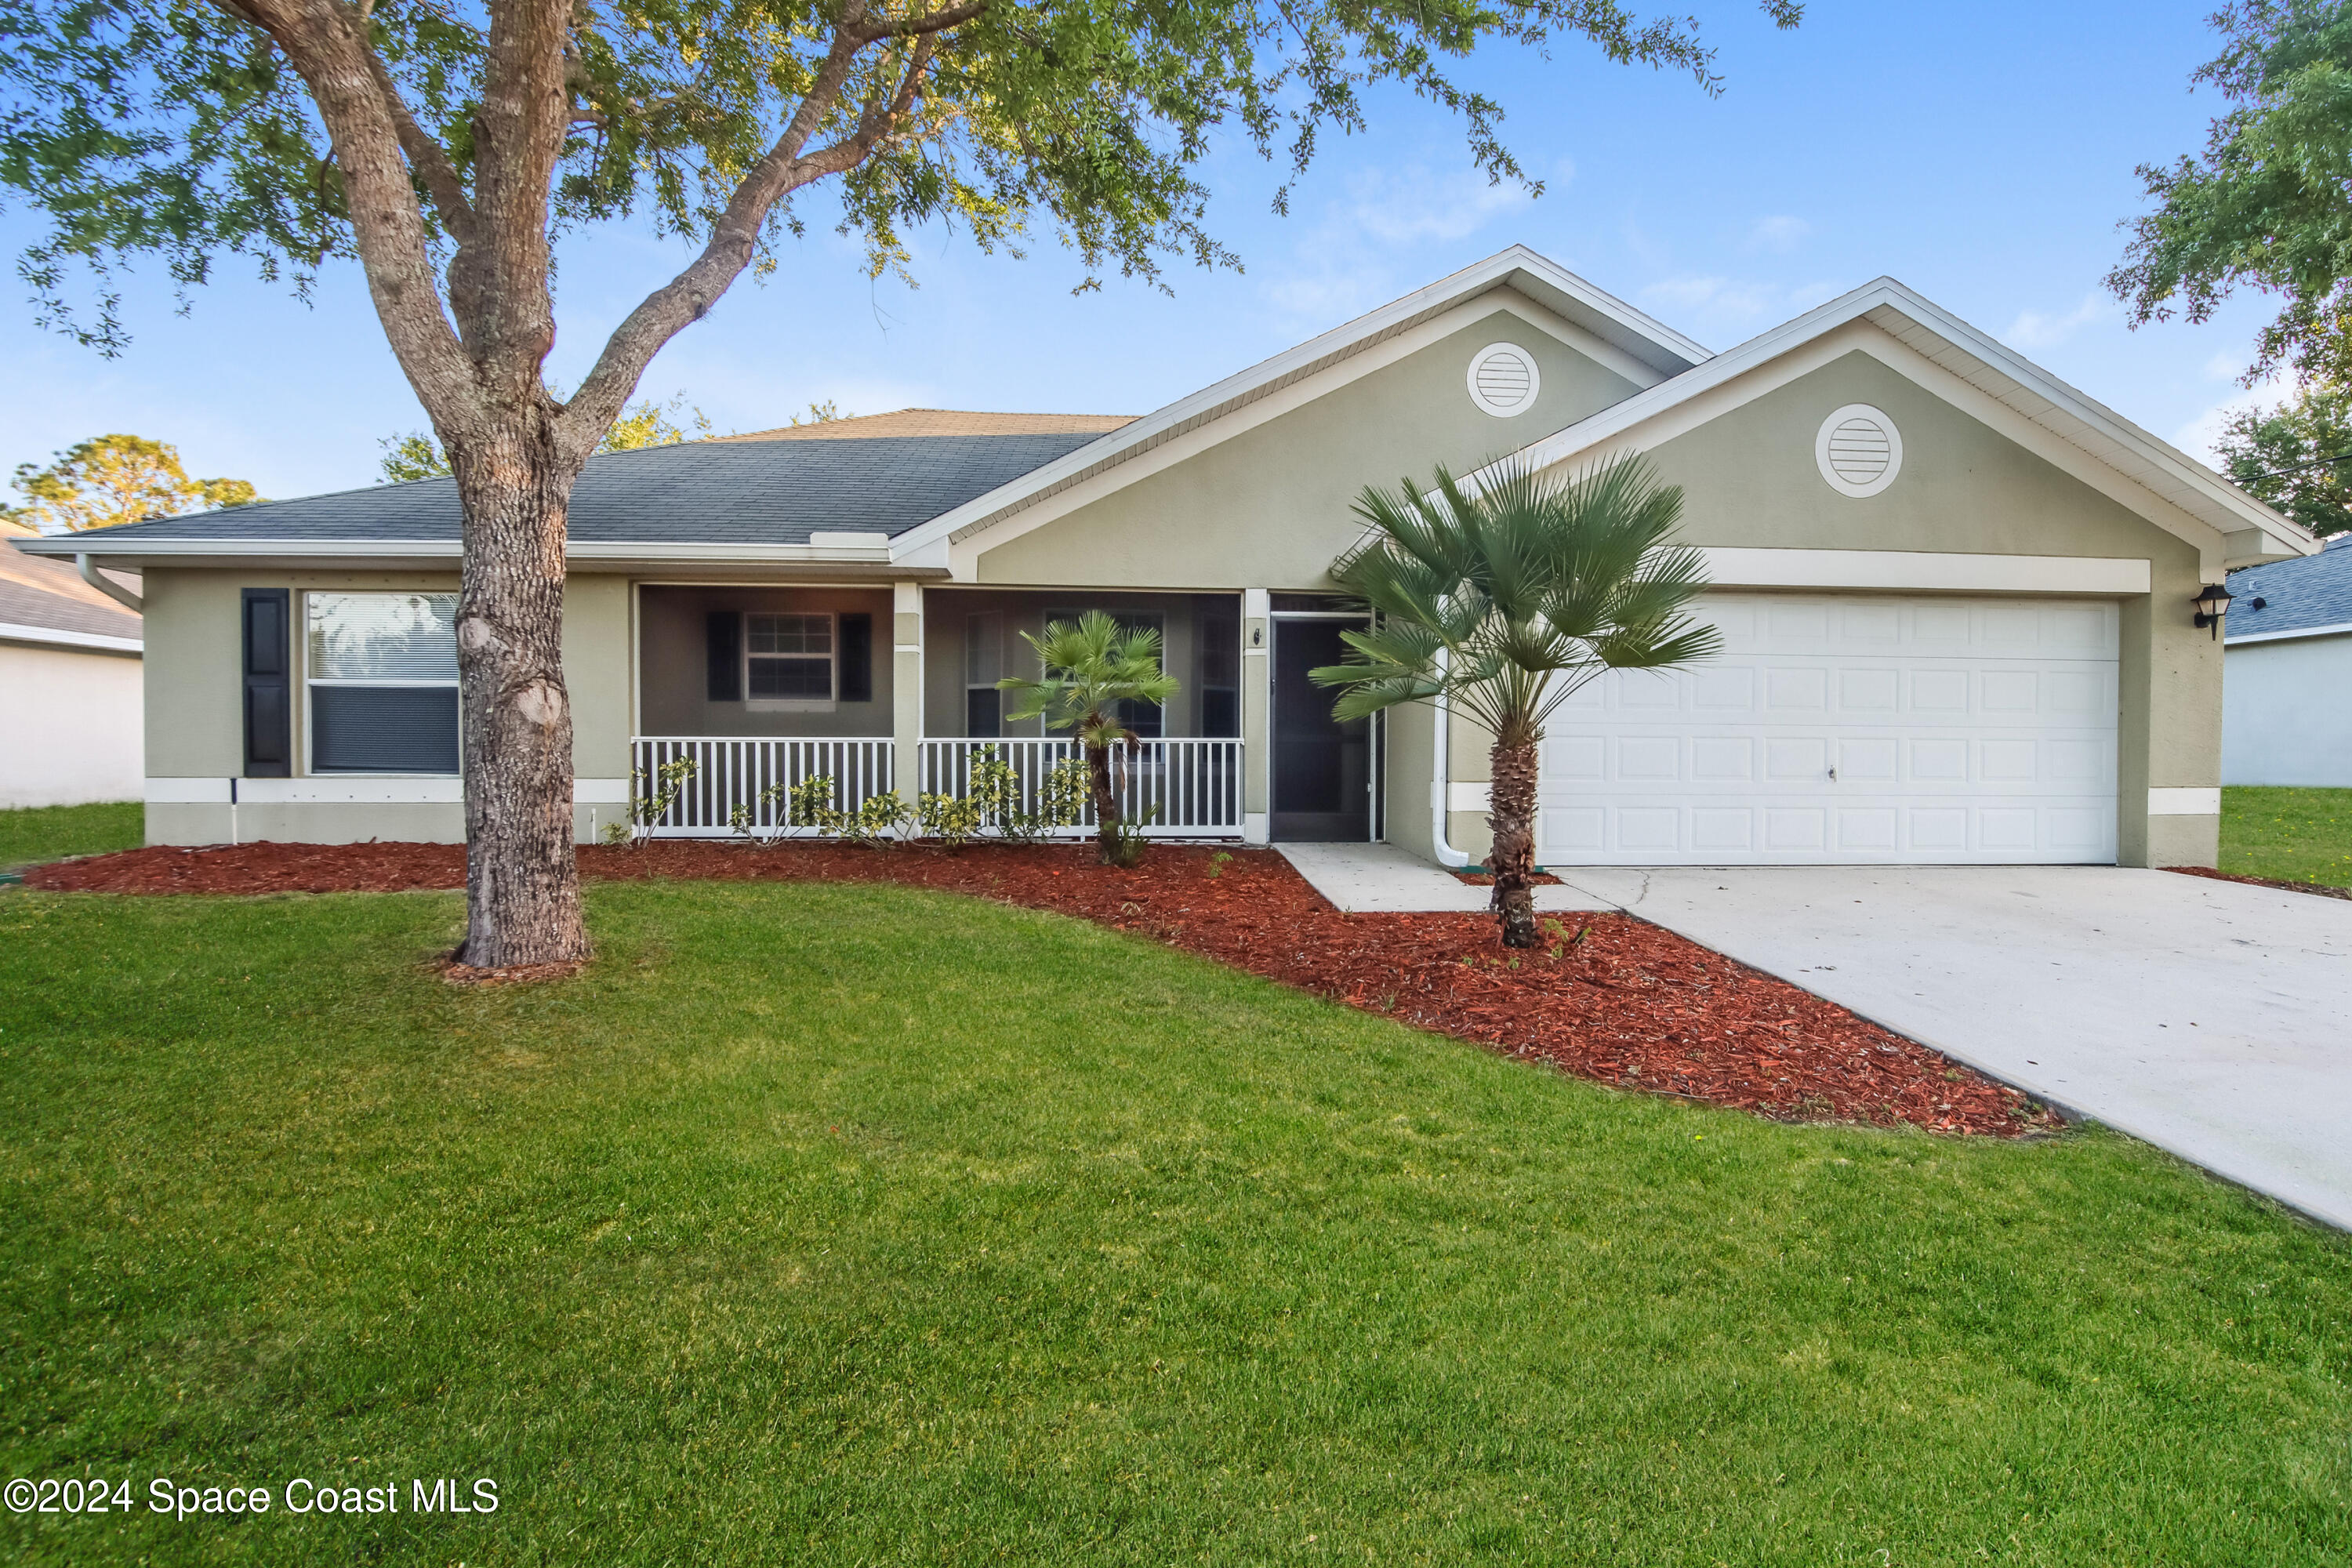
[
  {"x": 383, "y": 677},
  {"x": 857, "y": 658},
  {"x": 983, "y": 664}
]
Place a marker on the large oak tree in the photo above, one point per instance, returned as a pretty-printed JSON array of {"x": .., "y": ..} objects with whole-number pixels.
[{"x": 446, "y": 145}]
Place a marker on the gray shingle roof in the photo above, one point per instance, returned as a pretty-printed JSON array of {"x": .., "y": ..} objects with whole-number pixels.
[
  {"x": 50, "y": 595},
  {"x": 2310, "y": 591},
  {"x": 698, "y": 493}
]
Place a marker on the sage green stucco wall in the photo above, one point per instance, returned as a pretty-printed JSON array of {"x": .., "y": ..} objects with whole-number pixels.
[
  {"x": 1269, "y": 507},
  {"x": 1749, "y": 480},
  {"x": 195, "y": 703}
]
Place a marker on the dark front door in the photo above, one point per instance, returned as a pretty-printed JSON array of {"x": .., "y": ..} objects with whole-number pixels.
[{"x": 1322, "y": 768}]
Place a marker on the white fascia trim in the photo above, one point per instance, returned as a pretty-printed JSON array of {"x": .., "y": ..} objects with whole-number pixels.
[
  {"x": 963, "y": 549},
  {"x": 2179, "y": 482},
  {"x": 684, "y": 553},
  {"x": 1447, "y": 293},
  {"x": 2184, "y": 803},
  {"x": 129, "y": 551},
  {"x": 52, "y": 636},
  {"x": 1924, "y": 571},
  {"x": 2336, "y": 630}
]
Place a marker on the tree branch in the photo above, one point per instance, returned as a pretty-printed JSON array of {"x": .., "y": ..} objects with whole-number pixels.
[
  {"x": 734, "y": 238},
  {"x": 320, "y": 39}
]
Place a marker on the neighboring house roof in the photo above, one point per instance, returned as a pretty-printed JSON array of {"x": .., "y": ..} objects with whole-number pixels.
[
  {"x": 939, "y": 422},
  {"x": 46, "y": 602},
  {"x": 2311, "y": 597},
  {"x": 880, "y": 476},
  {"x": 2251, "y": 530}
]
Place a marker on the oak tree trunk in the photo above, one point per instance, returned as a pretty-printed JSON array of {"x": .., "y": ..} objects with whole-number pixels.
[
  {"x": 522, "y": 881},
  {"x": 1512, "y": 819},
  {"x": 1105, "y": 804}
]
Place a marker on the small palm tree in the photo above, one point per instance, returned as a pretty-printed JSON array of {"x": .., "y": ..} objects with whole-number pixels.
[
  {"x": 1505, "y": 601},
  {"x": 1090, "y": 671}
]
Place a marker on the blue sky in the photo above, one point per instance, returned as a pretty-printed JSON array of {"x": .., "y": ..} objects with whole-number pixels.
[{"x": 1982, "y": 152}]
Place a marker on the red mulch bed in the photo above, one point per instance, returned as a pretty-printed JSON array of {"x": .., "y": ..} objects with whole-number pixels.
[
  {"x": 2321, "y": 888},
  {"x": 1611, "y": 998}
]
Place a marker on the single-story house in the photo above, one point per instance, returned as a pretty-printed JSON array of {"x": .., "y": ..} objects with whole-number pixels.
[
  {"x": 70, "y": 719},
  {"x": 2286, "y": 694},
  {"x": 1955, "y": 595}
]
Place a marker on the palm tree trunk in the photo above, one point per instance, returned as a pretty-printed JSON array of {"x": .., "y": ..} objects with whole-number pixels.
[
  {"x": 1512, "y": 817},
  {"x": 1105, "y": 804}
]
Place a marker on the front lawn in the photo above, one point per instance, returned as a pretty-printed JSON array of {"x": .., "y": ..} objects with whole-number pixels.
[
  {"x": 2288, "y": 834},
  {"x": 858, "y": 1224},
  {"x": 32, "y": 835}
]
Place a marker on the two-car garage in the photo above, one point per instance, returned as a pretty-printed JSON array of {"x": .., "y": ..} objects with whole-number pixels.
[{"x": 1849, "y": 727}]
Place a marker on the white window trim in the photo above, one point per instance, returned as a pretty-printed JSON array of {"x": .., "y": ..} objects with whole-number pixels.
[
  {"x": 831, "y": 665},
  {"x": 308, "y": 741}
]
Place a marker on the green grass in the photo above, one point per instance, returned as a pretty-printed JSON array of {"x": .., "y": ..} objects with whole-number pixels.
[
  {"x": 2288, "y": 834},
  {"x": 858, "y": 1225},
  {"x": 28, "y": 837}
]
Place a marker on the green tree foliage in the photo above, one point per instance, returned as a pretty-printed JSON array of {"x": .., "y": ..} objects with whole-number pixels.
[
  {"x": 1505, "y": 600},
  {"x": 415, "y": 455},
  {"x": 2269, "y": 205},
  {"x": 1090, "y": 673},
  {"x": 188, "y": 130},
  {"x": 116, "y": 478},
  {"x": 2295, "y": 456}
]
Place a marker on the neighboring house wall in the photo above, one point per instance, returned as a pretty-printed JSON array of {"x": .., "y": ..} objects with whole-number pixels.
[
  {"x": 194, "y": 732},
  {"x": 1269, "y": 507},
  {"x": 2288, "y": 712},
  {"x": 69, "y": 726}
]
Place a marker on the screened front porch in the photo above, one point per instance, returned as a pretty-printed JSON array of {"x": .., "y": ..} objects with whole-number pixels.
[{"x": 762, "y": 689}]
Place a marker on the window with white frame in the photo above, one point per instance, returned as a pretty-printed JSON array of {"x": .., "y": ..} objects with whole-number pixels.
[
  {"x": 788, "y": 659},
  {"x": 382, "y": 670}
]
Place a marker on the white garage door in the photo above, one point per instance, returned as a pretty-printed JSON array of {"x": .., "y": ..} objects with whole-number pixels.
[{"x": 1848, "y": 728}]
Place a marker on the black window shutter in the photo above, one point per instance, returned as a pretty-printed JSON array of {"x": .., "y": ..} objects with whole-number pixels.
[
  {"x": 269, "y": 684},
  {"x": 726, "y": 645},
  {"x": 858, "y": 659}
]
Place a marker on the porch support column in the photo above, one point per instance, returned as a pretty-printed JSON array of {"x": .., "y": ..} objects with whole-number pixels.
[
  {"x": 906, "y": 689},
  {"x": 1257, "y": 709}
]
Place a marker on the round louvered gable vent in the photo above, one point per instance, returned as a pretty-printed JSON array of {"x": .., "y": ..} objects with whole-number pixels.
[
  {"x": 1859, "y": 450},
  {"x": 1504, "y": 380}
]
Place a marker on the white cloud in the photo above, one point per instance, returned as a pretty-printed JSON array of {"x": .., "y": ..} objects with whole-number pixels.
[
  {"x": 1779, "y": 234},
  {"x": 2199, "y": 437},
  {"x": 2042, "y": 330},
  {"x": 1341, "y": 267},
  {"x": 2225, "y": 366},
  {"x": 1740, "y": 305},
  {"x": 1410, "y": 205}
]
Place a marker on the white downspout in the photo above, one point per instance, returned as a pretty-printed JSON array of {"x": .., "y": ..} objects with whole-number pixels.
[
  {"x": 1439, "y": 787},
  {"x": 107, "y": 585}
]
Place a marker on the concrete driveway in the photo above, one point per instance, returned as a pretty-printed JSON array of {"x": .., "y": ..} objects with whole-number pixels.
[{"x": 2211, "y": 1019}]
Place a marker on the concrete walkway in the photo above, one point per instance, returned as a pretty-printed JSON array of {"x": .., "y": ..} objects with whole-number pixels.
[
  {"x": 1381, "y": 878},
  {"x": 2212, "y": 1018}
]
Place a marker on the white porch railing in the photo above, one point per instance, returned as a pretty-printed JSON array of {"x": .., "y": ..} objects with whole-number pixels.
[
  {"x": 1185, "y": 788},
  {"x": 730, "y": 772}
]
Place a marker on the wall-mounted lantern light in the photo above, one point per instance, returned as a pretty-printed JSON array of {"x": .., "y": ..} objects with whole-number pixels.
[{"x": 2212, "y": 602}]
